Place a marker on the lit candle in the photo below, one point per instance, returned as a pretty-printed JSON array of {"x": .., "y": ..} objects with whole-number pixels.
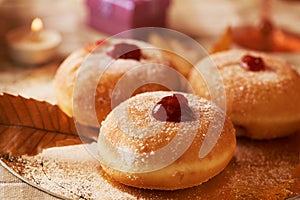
[
  {"x": 33, "y": 47},
  {"x": 36, "y": 28}
]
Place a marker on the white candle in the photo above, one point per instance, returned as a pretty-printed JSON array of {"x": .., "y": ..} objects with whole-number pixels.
[{"x": 35, "y": 46}]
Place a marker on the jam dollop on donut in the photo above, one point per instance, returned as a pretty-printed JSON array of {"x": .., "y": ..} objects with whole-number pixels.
[
  {"x": 252, "y": 63},
  {"x": 92, "y": 46},
  {"x": 173, "y": 108},
  {"x": 125, "y": 51}
]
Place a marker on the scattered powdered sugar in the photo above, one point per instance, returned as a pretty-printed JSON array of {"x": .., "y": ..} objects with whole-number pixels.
[{"x": 259, "y": 170}]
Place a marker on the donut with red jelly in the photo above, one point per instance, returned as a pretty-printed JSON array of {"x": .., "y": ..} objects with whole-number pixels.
[
  {"x": 262, "y": 93},
  {"x": 96, "y": 69},
  {"x": 156, "y": 140}
]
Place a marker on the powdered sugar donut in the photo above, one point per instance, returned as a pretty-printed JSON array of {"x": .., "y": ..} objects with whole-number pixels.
[
  {"x": 153, "y": 140},
  {"x": 96, "y": 70},
  {"x": 262, "y": 93}
]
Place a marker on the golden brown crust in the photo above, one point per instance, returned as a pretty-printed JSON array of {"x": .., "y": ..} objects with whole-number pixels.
[
  {"x": 263, "y": 104},
  {"x": 181, "y": 65},
  {"x": 131, "y": 126},
  {"x": 69, "y": 71},
  {"x": 64, "y": 83}
]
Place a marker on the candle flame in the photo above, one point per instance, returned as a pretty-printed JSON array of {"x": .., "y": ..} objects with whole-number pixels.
[{"x": 36, "y": 25}]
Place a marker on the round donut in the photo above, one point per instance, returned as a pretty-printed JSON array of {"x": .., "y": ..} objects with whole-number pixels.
[
  {"x": 140, "y": 149},
  {"x": 95, "y": 71},
  {"x": 262, "y": 93}
]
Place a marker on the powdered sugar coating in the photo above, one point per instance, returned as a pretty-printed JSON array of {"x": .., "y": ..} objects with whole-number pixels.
[
  {"x": 86, "y": 80},
  {"x": 133, "y": 142},
  {"x": 264, "y": 103}
]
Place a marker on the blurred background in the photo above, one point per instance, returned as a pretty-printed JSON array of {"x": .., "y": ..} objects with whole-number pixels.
[{"x": 203, "y": 20}]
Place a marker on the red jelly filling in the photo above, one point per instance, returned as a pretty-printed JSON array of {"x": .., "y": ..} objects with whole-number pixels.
[
  {"x": 91, "y": 47},
  {"x": 173, "y": 108},
  {"x": 252, "y": 63},
  {"x": 125, "y": 51}
]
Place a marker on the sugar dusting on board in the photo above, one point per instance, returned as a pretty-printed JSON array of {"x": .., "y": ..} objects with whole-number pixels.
[{"x": 259, "y": 170}]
